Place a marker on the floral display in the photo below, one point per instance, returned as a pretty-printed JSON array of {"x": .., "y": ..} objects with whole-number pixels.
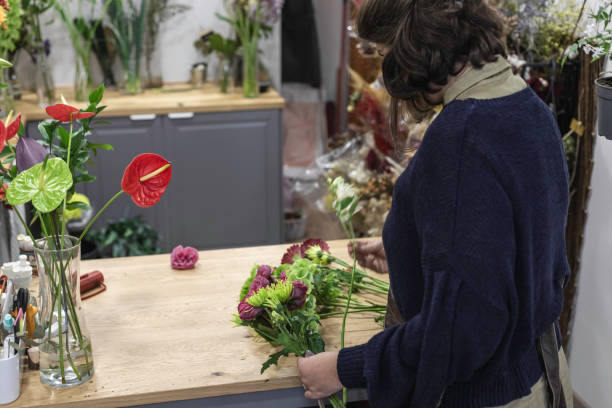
[
  {"x": 285, "y": 305},
  {"x": 184, "y": 257},
  {"x": 45, "y": 173}
]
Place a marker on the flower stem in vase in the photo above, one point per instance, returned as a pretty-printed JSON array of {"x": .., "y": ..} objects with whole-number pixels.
[{"x": 250, "y": 64}]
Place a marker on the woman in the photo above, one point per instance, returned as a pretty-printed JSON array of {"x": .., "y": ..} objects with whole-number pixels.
[{"x": 475, "y": 239}]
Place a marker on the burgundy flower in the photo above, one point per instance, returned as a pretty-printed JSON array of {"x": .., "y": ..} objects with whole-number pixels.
[
  {"x": 292, "y": 251},
  {"x": 184, "y": 258},
  {"x": 313, "y": 242},
  {"x": 283, "y": 276},
  {"x": 258, "y": 283},
  {"x": 66, "y": 113},
  {"x": 264, "y": 271},
  {"x": 298, "y": 295},
  {"x": 248, "y": 312},
  {"x": 28, "y": 153}
]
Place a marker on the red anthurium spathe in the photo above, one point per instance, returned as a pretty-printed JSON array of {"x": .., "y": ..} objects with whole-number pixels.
[
  {"x": 13, "y": 128},
  {"x": 9, "y": 132},
  {"x": 146, "y": 179},
  {"x": 66, "y": 113}
]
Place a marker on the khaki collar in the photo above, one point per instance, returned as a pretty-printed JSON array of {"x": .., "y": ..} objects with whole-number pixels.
[{"x": 475, "y": 76}]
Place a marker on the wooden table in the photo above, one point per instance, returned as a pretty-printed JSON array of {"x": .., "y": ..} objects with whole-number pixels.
[
  {"x": 161, "y": 335},
  {"x": 178, "y": 97}
]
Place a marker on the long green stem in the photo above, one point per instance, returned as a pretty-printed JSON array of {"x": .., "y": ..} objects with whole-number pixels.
[
  {"x": 98, "y": 214},
  {"x": 351, "y": 235},
  {"x": 66, "y": 196},
  {"x": 340, "y": 313}
]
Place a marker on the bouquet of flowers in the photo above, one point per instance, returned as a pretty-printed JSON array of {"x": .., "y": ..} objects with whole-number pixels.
[{"x": 285, "y": 305}]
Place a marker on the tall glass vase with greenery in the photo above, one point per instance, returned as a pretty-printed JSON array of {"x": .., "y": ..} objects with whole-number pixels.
[
  {"x": 158, "y": 12},
  {"x": 128, "y": 27},
  {"x": 31, "y": 41},
  {"x": 82, "y": 35},
  {"x": 252, "y": 19},
  {"x": 46, "y": 173}
]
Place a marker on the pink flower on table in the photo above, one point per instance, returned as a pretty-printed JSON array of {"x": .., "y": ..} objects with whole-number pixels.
[
  {"x": 184, "y": 257},
  {"x": 248, "y": 312},
  {"x": 298, "y": 295}
]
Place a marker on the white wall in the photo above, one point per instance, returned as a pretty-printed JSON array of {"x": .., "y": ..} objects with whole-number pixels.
[
  {"x": 328, "y": 14},
  {"x": 175, "y": 44},
  {"x": 591, "y": 348}
]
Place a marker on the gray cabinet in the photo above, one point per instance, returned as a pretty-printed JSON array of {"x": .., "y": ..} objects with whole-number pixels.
[{"x": 226, "y": 175}]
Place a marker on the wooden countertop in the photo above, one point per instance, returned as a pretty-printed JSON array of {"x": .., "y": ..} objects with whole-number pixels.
[
  {"x": 162, "y": 335},
  {"x": 171, "y": 98}
]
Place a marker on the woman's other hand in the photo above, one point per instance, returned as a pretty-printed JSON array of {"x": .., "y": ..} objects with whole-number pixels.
[{"x": 370, "y": 255}]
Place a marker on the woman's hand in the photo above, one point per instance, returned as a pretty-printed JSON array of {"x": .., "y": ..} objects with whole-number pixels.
[
  {"x": 371, "y": 255},
  {"x": 319, "y": 375}
]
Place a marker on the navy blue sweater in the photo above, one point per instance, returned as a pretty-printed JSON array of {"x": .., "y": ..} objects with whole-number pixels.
[{"x": 475, "y": 242}]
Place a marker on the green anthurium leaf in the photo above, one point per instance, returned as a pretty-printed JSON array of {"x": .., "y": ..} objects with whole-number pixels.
[
  {"x": 45, "y": 184},
  {"x": 96, "y": 96}
]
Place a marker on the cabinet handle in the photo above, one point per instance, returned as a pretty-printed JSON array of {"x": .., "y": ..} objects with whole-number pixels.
[
  {"x": 144, "y": 116},
  {"x": 180, "y": 115}
]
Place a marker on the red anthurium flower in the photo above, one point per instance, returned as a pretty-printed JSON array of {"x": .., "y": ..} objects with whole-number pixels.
[
  {"x": 2, "y": 136},
  {"x": 146, "y": 179},
  {"x": 9, "y": 132},
  {"x": 13, "y": 128},
  {"x": 66, "y": 113}
]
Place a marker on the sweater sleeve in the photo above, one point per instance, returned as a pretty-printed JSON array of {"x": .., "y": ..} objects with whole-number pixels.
[{"x": 465, "y": 224}]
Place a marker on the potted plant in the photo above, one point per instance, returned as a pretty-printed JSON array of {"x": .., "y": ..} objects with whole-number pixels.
[
  {"x": 128, "y": 25},
  {"x": 226, "y": 51},
  {"x": 126, "y": 237},
  {"x": 598, "y": 42}
]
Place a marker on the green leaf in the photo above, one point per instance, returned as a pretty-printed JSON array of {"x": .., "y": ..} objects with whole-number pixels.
[
  {"x": 84, "y": 178},
  {"x": 96, "y": 96},
  {"x": 273, "y": 360},
  {"x": 45, "y": 185},
  {"x": 101, "y": 146},
  {"x": 64, "y": 137},
  {"x": 346, "y": 202},
  {"x": 77, "y": 205}
]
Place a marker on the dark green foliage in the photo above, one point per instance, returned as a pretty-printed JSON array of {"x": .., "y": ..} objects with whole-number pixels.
[{"x": 127, "y": 237}]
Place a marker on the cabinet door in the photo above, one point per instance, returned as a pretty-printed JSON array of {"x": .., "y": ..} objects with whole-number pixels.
[
  {"x": 129, "y": 138},
  {"x": 226, "y": 178}
]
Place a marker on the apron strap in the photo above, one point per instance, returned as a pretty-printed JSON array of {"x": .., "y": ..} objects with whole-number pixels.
[{"x": 548, "y": 352}]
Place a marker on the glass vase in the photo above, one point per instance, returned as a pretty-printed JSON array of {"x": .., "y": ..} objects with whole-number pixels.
[
  {"x": 45, "y": 89},
  {"x": 250, "y": 64},
  {"x": 65, "y": 352},
  {"x": 131, "y": 77},
  {"x": 82, "y": 82},
  {"x": 8, "y": 94},
  {"x": 225, "y": 74}
]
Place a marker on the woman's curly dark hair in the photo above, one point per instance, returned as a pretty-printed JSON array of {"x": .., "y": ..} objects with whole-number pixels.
[{"x": 428, "y": 41}]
